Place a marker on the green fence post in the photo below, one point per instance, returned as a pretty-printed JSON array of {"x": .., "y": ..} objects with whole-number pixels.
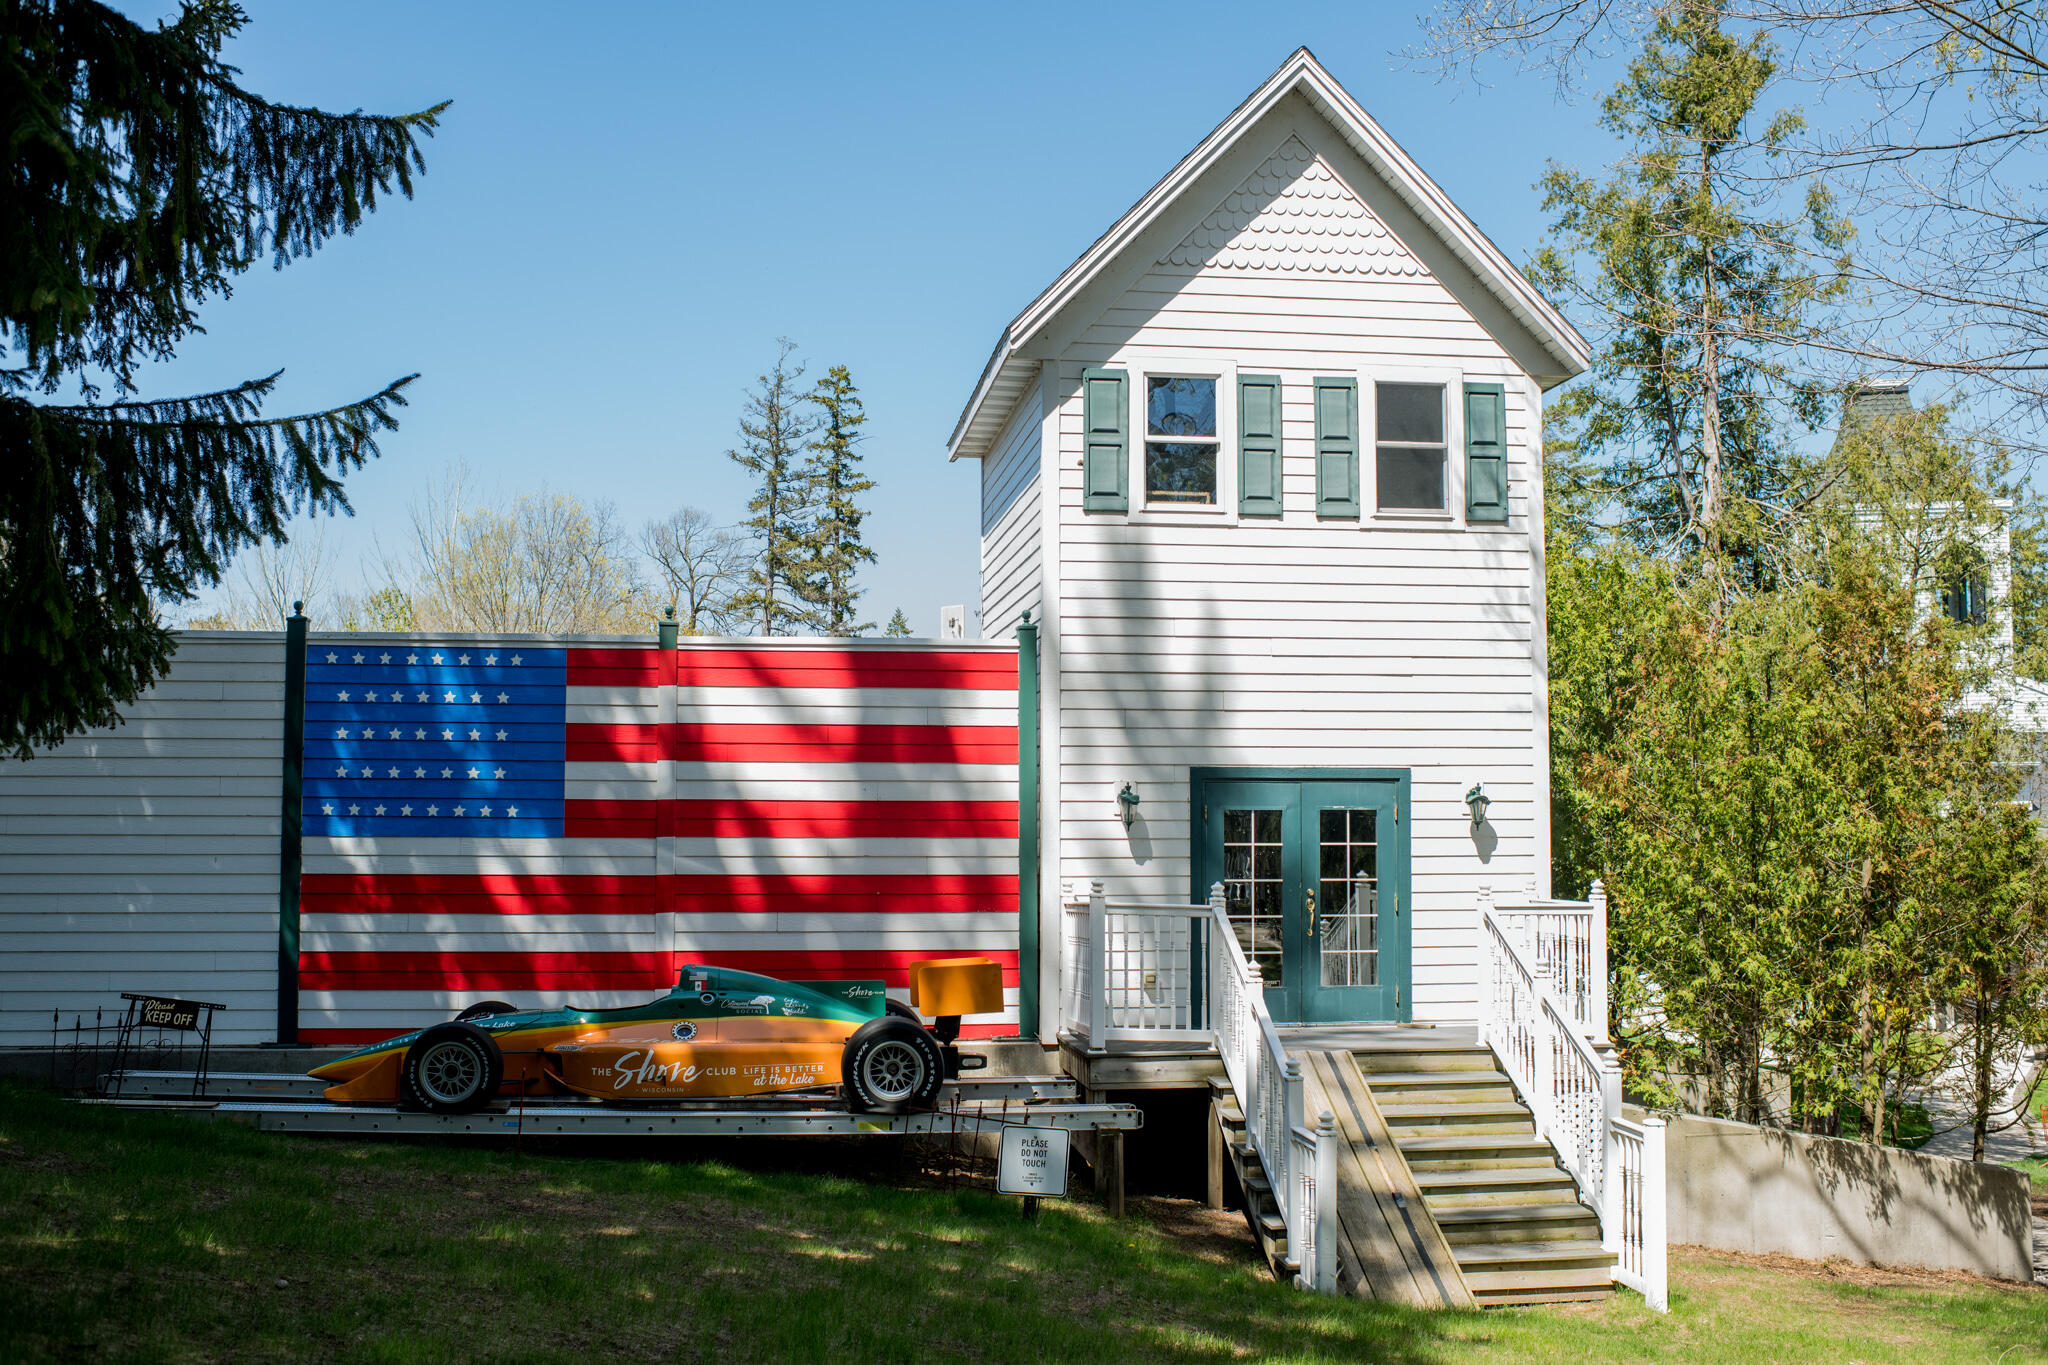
[
  {"x": 1027, "y": 828},
  {"x": 289, "y": 855}
]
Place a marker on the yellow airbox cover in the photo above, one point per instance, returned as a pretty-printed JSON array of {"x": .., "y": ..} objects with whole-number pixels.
[{"x": 956, "y": 985}]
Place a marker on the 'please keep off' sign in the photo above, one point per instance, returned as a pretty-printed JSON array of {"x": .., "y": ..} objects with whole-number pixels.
[{"x": 1034, "y": 1162}]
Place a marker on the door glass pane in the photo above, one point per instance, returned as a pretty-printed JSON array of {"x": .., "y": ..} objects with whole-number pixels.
[
  {"x": 1348, "y": 894},
  {"x": 1251, "y": 885}
]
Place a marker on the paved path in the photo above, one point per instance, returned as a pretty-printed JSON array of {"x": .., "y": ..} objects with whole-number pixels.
[{"x": 1952, "y": 1138}]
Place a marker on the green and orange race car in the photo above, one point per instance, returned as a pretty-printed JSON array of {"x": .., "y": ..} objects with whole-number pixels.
[{"x": 719, "y": 1034}]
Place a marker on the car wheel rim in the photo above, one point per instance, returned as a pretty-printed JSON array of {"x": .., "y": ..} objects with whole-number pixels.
[
  {"x": 450, "y": 1072},
  {"x": 893, "y": 1071}
]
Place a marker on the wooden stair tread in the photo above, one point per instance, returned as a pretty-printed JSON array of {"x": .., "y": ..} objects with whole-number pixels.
[
  {"x": 1452, "y": 1182},
  {"x": 1514, "y": 1213},
  {"x": 1447, "y": 1079},
  {"x": 1460, "y": 1142},
  {"x": 1441, "y": 1109},
  {"x": 1504, "y": 1253}
]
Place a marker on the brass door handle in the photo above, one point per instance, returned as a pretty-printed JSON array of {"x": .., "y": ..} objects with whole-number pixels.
[{"x": 1311, "y": 912}]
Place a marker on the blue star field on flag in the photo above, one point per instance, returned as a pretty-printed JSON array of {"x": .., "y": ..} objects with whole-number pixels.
[{"x": 423, "y": 740}]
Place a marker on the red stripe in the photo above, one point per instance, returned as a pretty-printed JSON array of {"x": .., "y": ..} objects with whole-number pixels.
[
  {"x": 621, "y": 667},
  {"x": 714, "y": 667},
  {"x": 793, "y": 743},
  {"x": 597, "y": 971},
  {"x": 736, "y": 819},
  {"x": 943, "y": 893},
  {"x": 317, "y": 1037}
]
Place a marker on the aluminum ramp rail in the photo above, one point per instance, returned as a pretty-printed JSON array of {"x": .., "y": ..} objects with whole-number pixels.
[{"x": 223, "y": 1085}]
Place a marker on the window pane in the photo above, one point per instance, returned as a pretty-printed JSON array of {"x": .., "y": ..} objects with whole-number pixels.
[
  {"x": 1180, "y": 471},
  {"x": 1181, "y": 407},
  {"x": 1411, "y": 412},
  {"x": 1411, "y": 477}
]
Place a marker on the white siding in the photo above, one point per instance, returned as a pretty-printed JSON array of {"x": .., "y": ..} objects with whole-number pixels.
[
  {"x": 1295, "y": 642},
  {"x": 145, "y": 858},
  {"x": 1009, "y": 525}
]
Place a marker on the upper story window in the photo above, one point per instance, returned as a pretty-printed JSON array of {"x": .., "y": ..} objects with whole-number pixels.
[
  {"x": 1181, "y": 441},
  {"x": 1410, "y": 446},
  {"x": 1965, "y": 598}
]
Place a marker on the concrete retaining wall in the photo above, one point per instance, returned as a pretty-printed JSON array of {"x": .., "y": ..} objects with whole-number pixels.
[{"x": 1740, "y": 1188}]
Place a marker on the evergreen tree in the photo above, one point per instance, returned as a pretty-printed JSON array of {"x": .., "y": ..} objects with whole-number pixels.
[
  {"x": 833, "y": 472},
  {"x": 140, "y": 180},
  {"x": 1699, "y": 278},
  {"x": 774, "y": 427},
  {"x": 898, "y": 624}
]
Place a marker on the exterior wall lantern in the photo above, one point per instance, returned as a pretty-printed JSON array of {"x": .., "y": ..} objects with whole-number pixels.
[
  {"x": 1127, "y": 803},
  {"x": 1477, "y": 801}
]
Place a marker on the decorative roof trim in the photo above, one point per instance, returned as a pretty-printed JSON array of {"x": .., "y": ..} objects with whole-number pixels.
[{"x": 1301, "y": 71}]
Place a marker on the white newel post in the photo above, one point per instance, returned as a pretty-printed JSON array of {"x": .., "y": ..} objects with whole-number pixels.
[
  {"x": 1489, "y": 970},
  {"x": 1098, "y": 953},
  {"x": 1658, "y": 1289},
  {"x": 1326, "y": 1203},
  {"x": 1613, "y": 1208},
  {"x": 1253, "y": 1101},
  {"x": 1545, "y": 1044},
  {"x": 1218, "y": 915},
  {"x": 1596, "y": 1003}
]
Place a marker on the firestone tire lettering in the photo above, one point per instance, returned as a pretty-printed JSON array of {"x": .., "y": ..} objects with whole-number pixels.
[
  {"x": 891, "y": 1066},
  {"x": 452, "y": 1069}
]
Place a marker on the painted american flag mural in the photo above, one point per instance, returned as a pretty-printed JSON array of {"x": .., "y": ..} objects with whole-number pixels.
[{"x": 552, "y": 821}]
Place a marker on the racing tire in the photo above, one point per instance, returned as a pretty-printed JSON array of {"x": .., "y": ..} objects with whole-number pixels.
[
  {"x": 891, "y": 1066},
  {"x": 452, "y": 1069},
  {"x": 897, "y": 1009},
  {"x": 485, "y": 1009}
]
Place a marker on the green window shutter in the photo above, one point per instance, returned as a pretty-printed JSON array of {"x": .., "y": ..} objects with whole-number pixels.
[
  {"x": 1106, "y": 441},
  {"x": 1258, "y": 445},
  {"x": 1336, "y": 447},
  {"x": 1486, "y": 453}
]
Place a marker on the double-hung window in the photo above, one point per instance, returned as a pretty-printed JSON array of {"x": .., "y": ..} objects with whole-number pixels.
[
  {"x": 1410, "y": 447},
  {"x": 1182, "y": 442}
]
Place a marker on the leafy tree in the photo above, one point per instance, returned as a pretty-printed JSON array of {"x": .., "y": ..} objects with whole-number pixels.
[
  {"x": 1702, "y": 288},
  {"x": 898, "y": 624},
  {"x": 775, "y": 424},
  {"x": 140, "y": 180},
  {"x": 834, "y": 475}
]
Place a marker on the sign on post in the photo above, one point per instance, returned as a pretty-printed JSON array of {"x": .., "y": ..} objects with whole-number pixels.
[
  {"x": 1034, "y": 1162},
  {"x": 156, "y": 1011}
]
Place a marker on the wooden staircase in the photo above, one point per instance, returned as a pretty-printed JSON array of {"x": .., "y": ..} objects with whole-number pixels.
[{"x": 1510, "y": 1213}]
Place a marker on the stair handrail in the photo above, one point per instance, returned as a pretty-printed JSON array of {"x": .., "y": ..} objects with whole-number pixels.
[
  {"x": 1300, "y": 1162},
  {"x": 1574, "y": 1095}
]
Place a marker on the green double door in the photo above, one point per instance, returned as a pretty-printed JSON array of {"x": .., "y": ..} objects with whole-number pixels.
[{"x": 1315, "y": 875}]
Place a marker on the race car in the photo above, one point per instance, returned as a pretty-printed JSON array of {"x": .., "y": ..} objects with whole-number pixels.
[{"x": 720, "y": 1033}]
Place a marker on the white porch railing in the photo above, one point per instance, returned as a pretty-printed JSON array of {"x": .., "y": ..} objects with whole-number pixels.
[
  {"x": 1545, "y": 1045},
  {"x": 1568, "y": 940},
  {"x": 1135, "y": 978}
]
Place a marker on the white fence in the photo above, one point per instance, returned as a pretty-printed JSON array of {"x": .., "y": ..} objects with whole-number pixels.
[{"x": 1545, "y": 1044}]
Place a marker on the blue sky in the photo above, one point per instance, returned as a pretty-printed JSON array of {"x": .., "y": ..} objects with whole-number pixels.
[{"x": 628, "y": 204}]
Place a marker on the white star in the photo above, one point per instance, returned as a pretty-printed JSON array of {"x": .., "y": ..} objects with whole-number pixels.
[
  {"x": 491, "y": 659},
  {"x": 423, "y": 698},
  {"x": 383, "y": 658},
  {"x": 447, "y": 772},
  {"x": 462, "y": 658},
  {"x": 447, "y": 734},
  {"x": 369, "y": 734},
  {"x": 473, "y": 773},
  {"x": 369, "y": 696},
  {"x": 433, "y": 810},
  {"x": 437, "y": 658},
  {"x": 366, "y": 772},
  {"x": 511, "y": 810},
  {"x": 501, "y": 734},
  {"x": 327, "y": 808},
  {"x": 378, "y": 811},
  {"x": 341, "y": 772},
  {"x": 419, "y": 772},
  {"x": 476, "y": 698},
  {"x": 341, "y": 696},
  {"x": 502, "y": 699},
  {"x": 497, "y": 772},
  {"x": 458, "y": 810},
  {"x": 405, "y": 810},
  {"x": 359, "y": 657},
  {"x": 483, "y": 810},
  {"x": 412, "y": 658},
  {"x": 355, "y": 810},
  {"x": 476, "y": 734},
  {"x": 515, "y": 661},
  {"x": 332, "y": 658},
  {"x": 394, "y": 772},
  {"x": 341, "y": 734},
  {"x": 449, "y": 697},
  {"x": 396, "y": 734},
  {"x": 419, "y": 734}
]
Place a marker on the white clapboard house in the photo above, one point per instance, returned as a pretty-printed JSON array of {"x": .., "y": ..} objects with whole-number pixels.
[{"x": 1263, "y": 467}]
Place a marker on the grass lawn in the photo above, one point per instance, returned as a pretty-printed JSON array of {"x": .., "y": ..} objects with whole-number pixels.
[{"x": 159, "y": 1239}]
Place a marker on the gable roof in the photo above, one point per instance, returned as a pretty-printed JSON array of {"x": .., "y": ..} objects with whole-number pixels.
[{"x": 1004, "y": 378}]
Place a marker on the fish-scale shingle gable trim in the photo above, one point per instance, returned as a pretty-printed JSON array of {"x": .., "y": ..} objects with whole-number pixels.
[{"x": 1294, "y": 214}]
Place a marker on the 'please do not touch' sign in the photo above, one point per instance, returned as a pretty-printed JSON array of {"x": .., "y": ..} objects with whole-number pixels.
[{"x": 1034, "y": 1162}]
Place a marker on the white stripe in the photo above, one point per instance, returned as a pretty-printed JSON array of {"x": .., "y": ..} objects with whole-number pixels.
[
  {"x": 855, "y": 861},
  {"x": 790, "y": 781},
  {"x": 991, "y": 706},
  {"x": 359, "y": 931}
]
